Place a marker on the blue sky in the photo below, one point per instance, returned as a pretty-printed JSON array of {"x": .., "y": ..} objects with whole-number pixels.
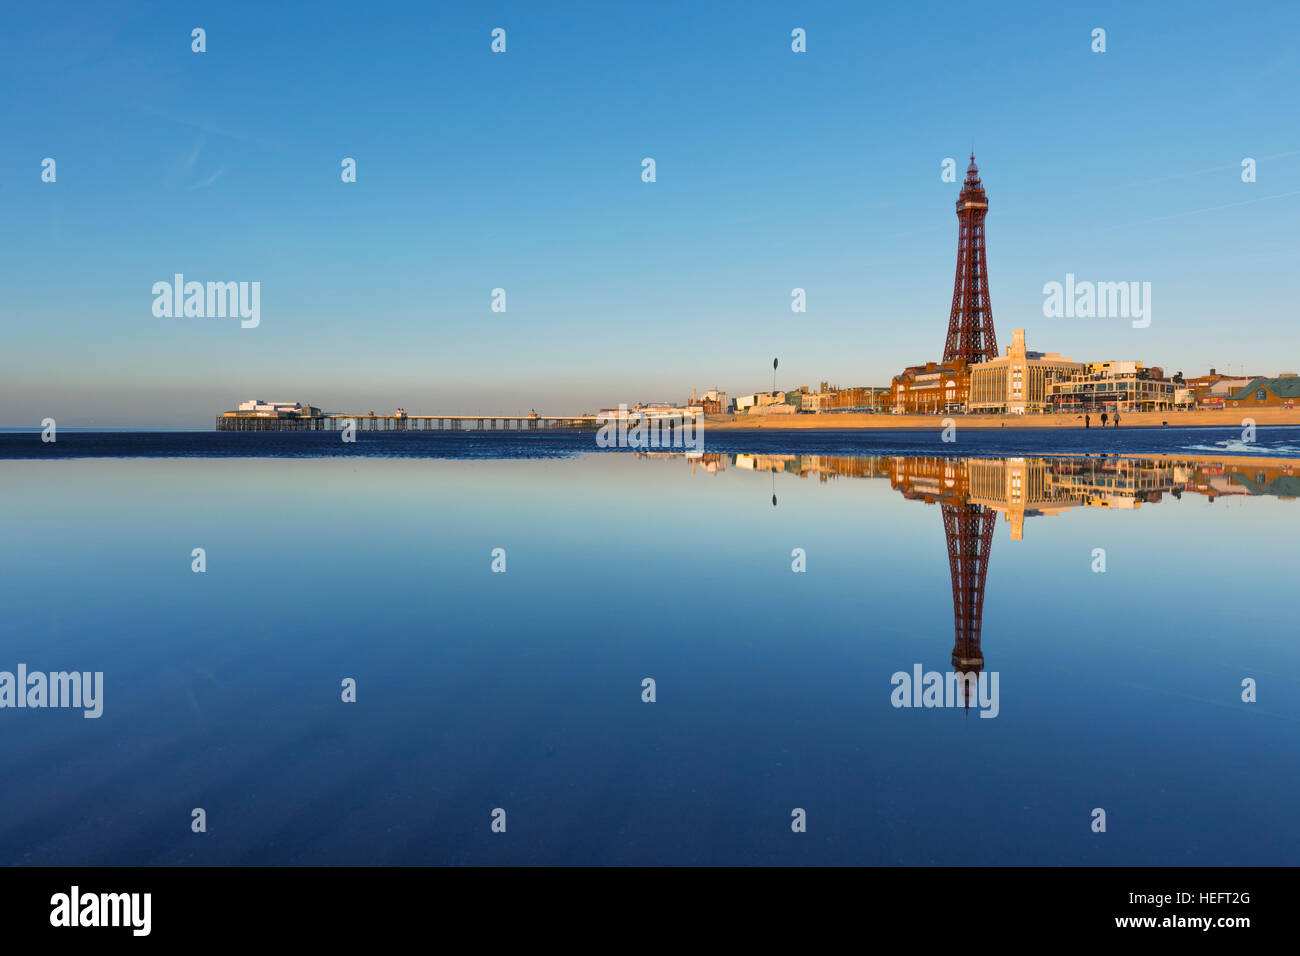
[{"x": 522, "y": 170}]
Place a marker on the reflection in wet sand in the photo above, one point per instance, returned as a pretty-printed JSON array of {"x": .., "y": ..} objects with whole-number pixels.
[{"x": 971, "y": 492}]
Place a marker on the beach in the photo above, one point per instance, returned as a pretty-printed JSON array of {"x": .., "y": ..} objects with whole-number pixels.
[{"x": 1220, "y": 418}]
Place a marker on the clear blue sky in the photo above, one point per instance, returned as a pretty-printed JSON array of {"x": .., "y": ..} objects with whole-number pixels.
[{"x": 476, "y": 170}]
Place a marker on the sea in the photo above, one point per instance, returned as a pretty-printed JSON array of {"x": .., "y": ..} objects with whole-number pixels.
[{"x": 1018, "y": 647}]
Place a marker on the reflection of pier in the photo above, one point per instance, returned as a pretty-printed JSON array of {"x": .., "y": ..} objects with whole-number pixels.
[{"x": 407, "y": 423}]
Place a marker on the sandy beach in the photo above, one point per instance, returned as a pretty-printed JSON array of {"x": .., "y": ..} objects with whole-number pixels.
[{"x": 1230, "y": 417}]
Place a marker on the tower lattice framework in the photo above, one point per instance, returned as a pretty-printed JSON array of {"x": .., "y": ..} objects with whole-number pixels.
[{"x": 970, "y": 324}]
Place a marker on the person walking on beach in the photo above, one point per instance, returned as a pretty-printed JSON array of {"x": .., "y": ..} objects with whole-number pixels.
[
  {"x": 1103, "y": 419},
  {"x": 1117, "y": 419},
  {"x": 1087, "y": 421}
]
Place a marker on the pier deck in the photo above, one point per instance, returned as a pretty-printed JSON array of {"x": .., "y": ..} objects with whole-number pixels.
[{"x": 336, "y": 422}]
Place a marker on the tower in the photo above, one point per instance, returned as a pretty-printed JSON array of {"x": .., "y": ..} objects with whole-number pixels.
[
  {"x": 969, "y": 530},
  {"x": 970, "y": 325}
]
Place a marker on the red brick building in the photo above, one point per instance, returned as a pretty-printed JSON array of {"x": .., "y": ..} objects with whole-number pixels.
[{"x": 934, "y": 388}]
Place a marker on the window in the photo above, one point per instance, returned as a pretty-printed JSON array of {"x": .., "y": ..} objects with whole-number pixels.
[{"x": 1261, "y": 395}]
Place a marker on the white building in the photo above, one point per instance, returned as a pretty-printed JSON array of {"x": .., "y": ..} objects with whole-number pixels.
[
  {"x": 758, "y": 400},
  {"x": 257, "y": 405},
  {"x": 1017, "y": 382}
]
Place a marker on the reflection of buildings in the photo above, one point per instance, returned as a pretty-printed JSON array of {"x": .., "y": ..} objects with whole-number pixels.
[
  {"x": 972, "y": 491},
  {"x": 1030, "y": 487},
  {"x": 1213, "y": 479}
]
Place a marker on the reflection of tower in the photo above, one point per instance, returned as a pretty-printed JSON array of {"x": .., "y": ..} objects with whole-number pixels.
[
  {"x": 969, "y": 530},
  {"x": 970, "y": 325},
  {"x": 968, "y": 526}
]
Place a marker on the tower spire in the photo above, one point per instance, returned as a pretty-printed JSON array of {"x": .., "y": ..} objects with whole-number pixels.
[{"x": 970, "y": 324}]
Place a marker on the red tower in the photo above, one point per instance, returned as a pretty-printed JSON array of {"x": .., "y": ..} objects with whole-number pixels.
[
  {"x": 970, "y": 325},
  {"x": 969, "y": 530}
]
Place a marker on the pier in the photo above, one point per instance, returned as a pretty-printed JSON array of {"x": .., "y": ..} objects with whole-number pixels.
[{"x": 337, "y": 422}]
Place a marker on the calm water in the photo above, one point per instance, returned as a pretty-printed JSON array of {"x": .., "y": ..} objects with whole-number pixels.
[{"x": 523, "y": 690}]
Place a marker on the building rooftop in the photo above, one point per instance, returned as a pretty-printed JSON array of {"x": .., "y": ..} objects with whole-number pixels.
[{"x": 1281, "y": 387}]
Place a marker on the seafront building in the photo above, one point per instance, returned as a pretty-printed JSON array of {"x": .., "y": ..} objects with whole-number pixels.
[
  {"x": 1018, "y": 382},
  {"x": 1211, "y": 391},
  {"x": 764, "y": 403},
  {"x": 1283, "y": 391},
  {"x": 930, "y": 389},
  {"x": 827, "y": 398},
  {"x": 652, "y": 411},
  {"x": 1036, "y": 382},
  {"x": 257, "y": 408},
  {"x": 712, "y": 402},
  {"x": 858, "y": 398},
  {"x": 1112, "y": 387}
]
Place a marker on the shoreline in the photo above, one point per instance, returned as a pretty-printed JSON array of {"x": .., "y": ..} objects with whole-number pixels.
[{"x": 833, "y": 421}]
